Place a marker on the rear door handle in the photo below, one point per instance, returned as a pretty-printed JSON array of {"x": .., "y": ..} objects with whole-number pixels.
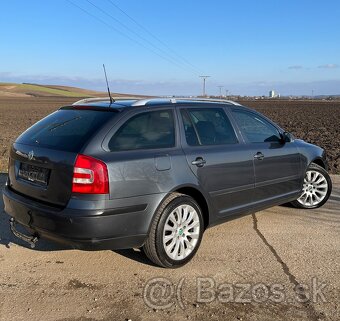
[
  {"x": 199, "y": 162},
  {"x": 259, "y": 156}
]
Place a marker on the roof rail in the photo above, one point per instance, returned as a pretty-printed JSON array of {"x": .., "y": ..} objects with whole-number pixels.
[
  {"x": 94, "y": 99},
  {"x": 214, "y": 100},
  {"x": 143, "y": 102},
  {"x": 88, "y": 100}
]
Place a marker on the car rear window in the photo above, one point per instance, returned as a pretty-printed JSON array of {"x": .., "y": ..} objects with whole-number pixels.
[
  {"x": 66, "y": 129},
  {"x": 149, "y": 130}
]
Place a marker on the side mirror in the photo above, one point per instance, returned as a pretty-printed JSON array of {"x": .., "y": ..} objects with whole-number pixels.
[{"x": 285, "y": 137}]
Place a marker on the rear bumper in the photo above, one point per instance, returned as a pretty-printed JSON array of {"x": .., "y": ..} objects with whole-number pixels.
[{"x": 114, "y": 228}]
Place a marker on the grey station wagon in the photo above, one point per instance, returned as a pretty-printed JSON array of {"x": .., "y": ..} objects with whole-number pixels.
[{"x": 154, "y": 173}]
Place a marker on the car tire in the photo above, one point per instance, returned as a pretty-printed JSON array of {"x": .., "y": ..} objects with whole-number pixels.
[
  {"x": 317, "y": 188},
  {"x": 176, "y": 232}
]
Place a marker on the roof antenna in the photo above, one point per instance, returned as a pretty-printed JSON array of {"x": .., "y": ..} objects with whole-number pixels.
[{"x": 108, "y": 88}]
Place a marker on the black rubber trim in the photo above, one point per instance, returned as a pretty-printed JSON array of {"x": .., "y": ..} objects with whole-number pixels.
[{"x": 126, "y": 209}]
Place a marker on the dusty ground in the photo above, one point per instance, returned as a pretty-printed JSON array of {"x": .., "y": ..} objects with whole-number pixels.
[{"x": 279, "y": 247}]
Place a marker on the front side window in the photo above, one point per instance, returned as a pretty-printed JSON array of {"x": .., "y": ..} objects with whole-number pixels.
[
  {"x": 208, "y": 126},
  {"x": 149, "y": 130},
  {"x": 255, "y": 128}
]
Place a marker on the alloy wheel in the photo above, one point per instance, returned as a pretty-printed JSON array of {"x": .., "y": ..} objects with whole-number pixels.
[
  {"x": 315, "y": 188},
  {"x": 181, "y": 232}
]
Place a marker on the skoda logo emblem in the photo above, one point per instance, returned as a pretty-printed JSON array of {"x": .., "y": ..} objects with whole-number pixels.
[{"x": 31, "y": 155}]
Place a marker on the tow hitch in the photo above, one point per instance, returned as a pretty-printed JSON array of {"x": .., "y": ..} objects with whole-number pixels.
[{"x": 31, "y": 239}]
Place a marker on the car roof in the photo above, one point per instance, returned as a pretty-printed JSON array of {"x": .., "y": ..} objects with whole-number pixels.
[{"x": 120, "y": 104}]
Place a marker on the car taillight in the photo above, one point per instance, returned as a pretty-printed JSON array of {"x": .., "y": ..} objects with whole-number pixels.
[{"x": 90, "y": 176}]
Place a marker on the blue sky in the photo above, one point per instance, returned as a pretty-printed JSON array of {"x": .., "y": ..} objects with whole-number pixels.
[{"x": 249, "y": 47}]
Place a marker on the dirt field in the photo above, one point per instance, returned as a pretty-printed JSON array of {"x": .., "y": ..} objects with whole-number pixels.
[
  {"x": 16, "y": 115},
  {"x": 314, "y": 121},
  {"x": 317, "y": 122},
  {"x": 232, "y": 277}
]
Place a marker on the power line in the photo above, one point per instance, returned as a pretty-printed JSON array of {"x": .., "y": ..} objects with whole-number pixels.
[
  {"x": 138, "y": 35},
  {"x": 124, "y": 35},
  {"x": 153, "y": 35},
  {"x": 220, "y": 87},
  {"x": 204, "y": 79}
]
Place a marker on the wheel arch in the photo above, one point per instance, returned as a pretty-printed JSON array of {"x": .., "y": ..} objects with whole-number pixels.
[
  {"x": 320, "y": 165},
  {"x": 198, "y": 196},
  {"x": 319, "y": 161}
]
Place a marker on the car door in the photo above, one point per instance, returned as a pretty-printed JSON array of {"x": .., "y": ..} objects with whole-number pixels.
[
  {"x": 142, "y": 153},
  {"x": 218, "y": 158},
  {"x": 276, "y": 163}
]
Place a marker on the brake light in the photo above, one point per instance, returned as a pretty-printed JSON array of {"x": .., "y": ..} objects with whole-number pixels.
[{"x": 90, "y": 176}]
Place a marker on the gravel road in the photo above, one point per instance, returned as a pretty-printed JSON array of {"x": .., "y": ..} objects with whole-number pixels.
[{"x": 278, "y": 264}]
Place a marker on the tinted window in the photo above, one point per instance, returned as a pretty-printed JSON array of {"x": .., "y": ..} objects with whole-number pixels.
[
  {"x": 256, "y": 128},
  {"x": 190, "y": 133},
  {"x": 208, "y": 127},
  {"x": 145, "y": 131},
  {"x": 66, "y": 130}
]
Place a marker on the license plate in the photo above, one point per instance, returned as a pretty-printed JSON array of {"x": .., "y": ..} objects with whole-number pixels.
[{"x": 34, "y": 174}]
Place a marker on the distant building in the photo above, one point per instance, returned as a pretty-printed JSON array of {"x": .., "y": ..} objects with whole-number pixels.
[{"x": 273, "y": 94}]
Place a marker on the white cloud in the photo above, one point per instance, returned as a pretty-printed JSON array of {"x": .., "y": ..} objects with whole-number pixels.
[
  {"x": 329, "y": 66},
  {"x": 295, "y": 67},
  {"x": 176, "y": 87}
]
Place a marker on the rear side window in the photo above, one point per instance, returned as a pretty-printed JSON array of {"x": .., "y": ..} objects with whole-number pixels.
[
  {"x": 207, "y": 127},
  {"x": 149, "y": 130},
  {"x": 256, "y": 128},
  {"x": 65, "y": 129}
]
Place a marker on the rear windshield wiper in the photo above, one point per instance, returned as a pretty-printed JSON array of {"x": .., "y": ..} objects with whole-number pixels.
[{"x": 64, "y": 123}]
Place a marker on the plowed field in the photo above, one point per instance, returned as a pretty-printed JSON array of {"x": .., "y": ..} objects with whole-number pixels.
[{"x": 317, "y": 122}]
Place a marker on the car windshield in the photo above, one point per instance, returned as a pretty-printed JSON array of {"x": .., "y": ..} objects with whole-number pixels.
[{"x": 66, "y": 130}]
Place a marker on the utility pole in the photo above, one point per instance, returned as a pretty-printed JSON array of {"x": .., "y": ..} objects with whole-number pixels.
[
  {"x": 226, "y": 92},
  {"x": 204, "y": 78},
  {"x": 220, "y": 90}
]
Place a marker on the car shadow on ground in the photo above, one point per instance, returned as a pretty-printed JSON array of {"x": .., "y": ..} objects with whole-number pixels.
[{"x": 136, "y": 255}]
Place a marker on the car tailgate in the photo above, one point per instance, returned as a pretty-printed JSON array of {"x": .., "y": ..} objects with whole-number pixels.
[{"x": 42, "y": 174}]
